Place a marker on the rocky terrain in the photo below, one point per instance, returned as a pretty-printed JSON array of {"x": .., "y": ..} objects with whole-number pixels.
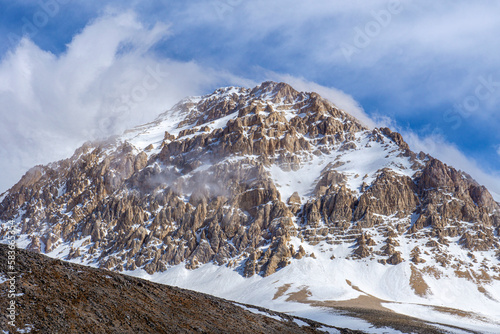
[
  {"x": 254, "y": 179},
  {"x": 60, "y": 297}
]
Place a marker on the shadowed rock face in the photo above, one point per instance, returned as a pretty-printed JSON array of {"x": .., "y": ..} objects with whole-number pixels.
[
  {"x": 60, "y": 297},
  {"x": 207, "y": 191}
]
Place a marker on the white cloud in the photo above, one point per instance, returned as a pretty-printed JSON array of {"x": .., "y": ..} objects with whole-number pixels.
[{"x": 105, "y": 82}]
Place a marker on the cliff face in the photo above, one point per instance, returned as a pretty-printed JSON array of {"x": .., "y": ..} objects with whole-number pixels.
[{"x": 247, "y": 177}]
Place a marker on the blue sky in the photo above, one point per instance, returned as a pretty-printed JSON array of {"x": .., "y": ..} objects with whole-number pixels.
[{"x": 69, "y": 69}]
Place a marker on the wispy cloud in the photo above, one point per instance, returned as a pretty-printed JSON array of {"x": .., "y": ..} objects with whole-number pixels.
[{"x": 106, "y": 81}]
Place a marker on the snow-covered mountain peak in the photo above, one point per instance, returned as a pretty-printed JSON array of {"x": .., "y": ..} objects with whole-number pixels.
[
  {"x": 262, "y": 182},
  {"x": 215, "y": 110}
]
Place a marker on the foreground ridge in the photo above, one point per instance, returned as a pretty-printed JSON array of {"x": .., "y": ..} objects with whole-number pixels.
[{"x": 72, "y": 298}]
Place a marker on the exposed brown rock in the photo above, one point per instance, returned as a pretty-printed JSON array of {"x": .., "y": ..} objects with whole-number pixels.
[
  {"x": 395, "y": 137},
  {"x": 395, "y": 259},
  {"x": 362, "y": 251},
  {"x": 389, "y": 194},
  {"x": 300, "y": 254},
  {"x": 294, "y": 199}
]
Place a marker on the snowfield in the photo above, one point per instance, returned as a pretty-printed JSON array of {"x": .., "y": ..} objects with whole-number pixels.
[{"x": 326, "y": 280}]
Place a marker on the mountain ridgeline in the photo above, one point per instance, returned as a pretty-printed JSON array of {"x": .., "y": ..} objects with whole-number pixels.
[{"x": 246, "y": 178}]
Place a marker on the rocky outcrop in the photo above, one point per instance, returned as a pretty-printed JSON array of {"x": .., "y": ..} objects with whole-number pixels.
[
  {"x": 397, "y": 138},
  {"x": 390, "y": 194}
]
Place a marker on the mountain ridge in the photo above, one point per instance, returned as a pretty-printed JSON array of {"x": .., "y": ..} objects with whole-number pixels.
[{"x": 254, "y": 180}]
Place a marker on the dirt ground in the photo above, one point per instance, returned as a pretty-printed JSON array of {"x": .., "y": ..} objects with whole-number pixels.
[{"x": 371, "y": 309}]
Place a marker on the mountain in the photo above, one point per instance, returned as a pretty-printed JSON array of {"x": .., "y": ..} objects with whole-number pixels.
[
  {"x": 273, "y": 197},
  {"x": 73, "y": 298}
]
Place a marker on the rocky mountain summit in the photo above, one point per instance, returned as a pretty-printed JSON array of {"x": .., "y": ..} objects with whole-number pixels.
[{"x": 254, "y": 179}]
